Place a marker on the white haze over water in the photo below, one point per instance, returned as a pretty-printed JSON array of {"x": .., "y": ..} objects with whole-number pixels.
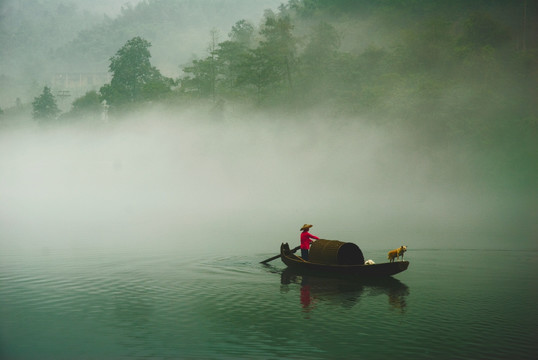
[{"x": 240, "y": 185}]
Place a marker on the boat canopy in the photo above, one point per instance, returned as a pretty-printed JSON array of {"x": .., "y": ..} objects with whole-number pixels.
[{"x": 334, "y": 252}]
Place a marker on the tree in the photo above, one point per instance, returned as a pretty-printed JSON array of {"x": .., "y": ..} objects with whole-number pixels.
[
  {"x": 212, "y": 48},
  {"x": 318, "y": 62},
  {"x": 89, "y": 104},
  {"x": 257, "y": 71},
  {"x": 322, "y": 45},
  {"x": 134, "y": 79},
  {"x": 269, "y": 66},
  {"x": 220, "y": 70},
  {"x": 231, "y": 54},
  {"x": 242, "y": 33},
  {"x": 481, "y": 30},
  {"x": 199, "y": 79},
  {"x": 279, "y": 46},
  {"x": 44, "y": 106}
]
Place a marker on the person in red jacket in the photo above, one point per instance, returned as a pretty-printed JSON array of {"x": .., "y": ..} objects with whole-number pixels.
[{"x": 306, "y": 240}]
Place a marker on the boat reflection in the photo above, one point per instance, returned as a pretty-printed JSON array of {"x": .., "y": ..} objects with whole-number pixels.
[{"x": 345, "y": 292}]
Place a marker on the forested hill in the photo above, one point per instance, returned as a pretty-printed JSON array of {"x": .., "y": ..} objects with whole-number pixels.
[
  {"x": 449, "y": 72},
  {"x": 178, "y": 30},
  {"x": 458, "y": 72},
  {"x": 39, "y": 38},
  {"x": 386, "y": 18},
  {"x": 446, "y": 67}
]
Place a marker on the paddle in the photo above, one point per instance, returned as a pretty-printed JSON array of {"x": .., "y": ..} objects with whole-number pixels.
[{"x": 277, "y": 256}]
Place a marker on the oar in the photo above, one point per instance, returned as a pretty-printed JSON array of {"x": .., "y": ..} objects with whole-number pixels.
[{"x": 277, "y": 256}]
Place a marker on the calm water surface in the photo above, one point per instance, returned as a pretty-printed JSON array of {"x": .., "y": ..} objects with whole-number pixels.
[{"x": 450, "y": 304}]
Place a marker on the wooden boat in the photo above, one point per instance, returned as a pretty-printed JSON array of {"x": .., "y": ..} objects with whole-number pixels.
[{"x": 359, "y": 270}]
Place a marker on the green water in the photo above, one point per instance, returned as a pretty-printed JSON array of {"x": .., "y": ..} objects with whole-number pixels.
[{"x": 449, "y": 304}]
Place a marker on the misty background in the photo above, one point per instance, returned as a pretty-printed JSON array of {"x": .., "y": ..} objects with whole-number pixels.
[
  {"x": 410, "y": 131},
  {"x": 42, "y": 41}
]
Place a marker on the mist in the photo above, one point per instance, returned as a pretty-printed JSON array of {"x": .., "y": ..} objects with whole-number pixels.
[
  {"x": 42, "y": 40},
  {"x": 242, "y": 184},
  {"x": 154, "y": 152},
  {"x": 417, "y": 132}
]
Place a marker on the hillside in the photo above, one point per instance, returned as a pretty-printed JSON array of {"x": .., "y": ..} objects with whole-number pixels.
[{"x": 43, "y": 38}]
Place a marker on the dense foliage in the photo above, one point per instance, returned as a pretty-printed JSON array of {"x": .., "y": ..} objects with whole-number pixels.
[
  {"x": 134, "y": 79},
  {"x": 450, "y": 70},
  {"x": 460, "y": 72},
  {"x": 447, "y": 69},
  {"x": 87, "y": 105}
]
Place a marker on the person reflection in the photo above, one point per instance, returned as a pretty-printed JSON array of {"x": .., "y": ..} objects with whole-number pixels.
[{"x": 306, "y": 298}]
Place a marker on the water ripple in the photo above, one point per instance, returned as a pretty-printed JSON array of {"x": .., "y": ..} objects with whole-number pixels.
[{"x": 162, "y": 306}]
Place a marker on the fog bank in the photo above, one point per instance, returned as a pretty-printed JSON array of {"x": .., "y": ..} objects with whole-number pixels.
[{"x": 245, "y": 184}]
